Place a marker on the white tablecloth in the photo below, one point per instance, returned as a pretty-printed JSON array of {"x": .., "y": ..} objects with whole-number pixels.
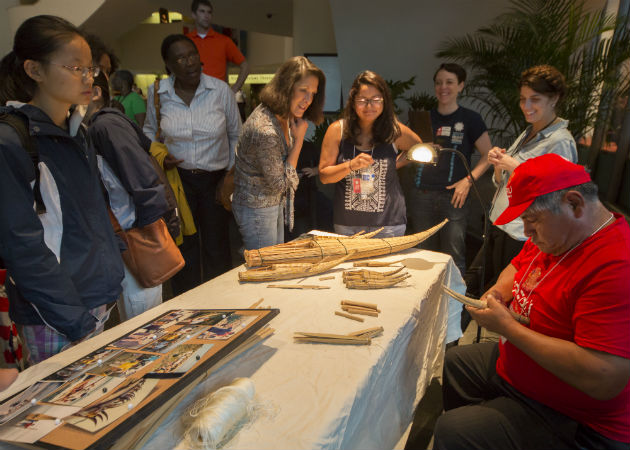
[{"x": 318, "y": 395}]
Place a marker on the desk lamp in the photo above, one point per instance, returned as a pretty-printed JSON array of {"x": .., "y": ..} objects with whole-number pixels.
[{"x": 427, "y": 153}]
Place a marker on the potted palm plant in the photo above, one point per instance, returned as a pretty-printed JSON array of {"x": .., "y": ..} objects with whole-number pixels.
[{"x": 562, "y": 33}]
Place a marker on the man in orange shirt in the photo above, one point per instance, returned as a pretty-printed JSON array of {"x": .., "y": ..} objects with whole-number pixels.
[{"x": 215, "y": 49}]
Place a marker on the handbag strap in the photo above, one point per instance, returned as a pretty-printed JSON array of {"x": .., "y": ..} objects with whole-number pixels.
[{"x": 156, "y": 103}]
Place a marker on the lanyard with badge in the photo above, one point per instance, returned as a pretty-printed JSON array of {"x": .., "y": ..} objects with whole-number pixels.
[{"x": 363, "y": 179}]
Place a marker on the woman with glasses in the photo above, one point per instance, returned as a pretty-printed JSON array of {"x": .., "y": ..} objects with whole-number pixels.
[
  {"x": 441, "y": 191},
  {"x": 199, "y": 123},
  {"x": 265, "y": 178},
  {"x": 55, "y": 236},
  {"x": 361, "y": 153}
]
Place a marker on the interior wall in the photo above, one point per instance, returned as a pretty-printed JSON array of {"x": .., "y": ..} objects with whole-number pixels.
[
  {"x": 400, "y": 45},
  {"x": 139, "y": 49},
  {"x": 74, "y": 11},
  {"x": 6, "y": 32},
  {"x": 313, "y": 30},
  {"x": 267, "y": 49}
]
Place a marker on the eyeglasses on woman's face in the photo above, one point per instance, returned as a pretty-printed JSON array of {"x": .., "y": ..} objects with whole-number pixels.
[
  {"x": 85, "y": 72},
  {"x": 191, "y": 58},
  {"x": 364, "y": 102}
]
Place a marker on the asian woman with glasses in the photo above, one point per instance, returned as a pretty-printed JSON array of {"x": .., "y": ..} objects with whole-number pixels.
[
  {"x": 361, "y": 153},
  {"x": 55, "y": 236}
]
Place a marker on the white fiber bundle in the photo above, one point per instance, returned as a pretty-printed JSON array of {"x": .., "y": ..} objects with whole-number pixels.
[{"x": 216, "y": 416}]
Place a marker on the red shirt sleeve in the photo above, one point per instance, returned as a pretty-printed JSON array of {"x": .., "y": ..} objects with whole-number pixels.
[{"x": 232, "y": 53}]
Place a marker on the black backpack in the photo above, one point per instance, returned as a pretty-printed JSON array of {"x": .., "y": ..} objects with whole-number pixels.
[{"x": 19, "y": 123}]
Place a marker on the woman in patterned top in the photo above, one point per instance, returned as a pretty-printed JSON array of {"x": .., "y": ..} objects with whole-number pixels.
[
  {"x": 268, "y": 150},
  {"x": 360, "y": 154}
]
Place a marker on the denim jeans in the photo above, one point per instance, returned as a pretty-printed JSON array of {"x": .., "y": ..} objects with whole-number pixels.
[
  {"x": 260, "y": 227},
  {"x": 388, "y": 231},
  {"x": 428, "y": 208}
]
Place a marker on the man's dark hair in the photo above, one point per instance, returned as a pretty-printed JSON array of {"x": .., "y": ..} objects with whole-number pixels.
[
  {"x": 551, "y": 202},
  {"x": 196, "y": 3},
  {"x": 458, "y": 70}
]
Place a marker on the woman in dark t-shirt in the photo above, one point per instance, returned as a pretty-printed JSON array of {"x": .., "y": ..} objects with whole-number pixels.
[
  {"x": 361, "y": 153},
  {"x": 441, "y": 191}
]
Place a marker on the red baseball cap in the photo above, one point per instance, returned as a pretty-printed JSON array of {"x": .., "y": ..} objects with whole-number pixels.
[{"x": 538, "y": 176}]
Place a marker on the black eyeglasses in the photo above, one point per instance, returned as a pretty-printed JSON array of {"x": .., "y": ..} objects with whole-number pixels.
[
  {"x": 83, "y": 71},
  {"x": 192, "y": 58},
  {"x": 376, "y": 101}
]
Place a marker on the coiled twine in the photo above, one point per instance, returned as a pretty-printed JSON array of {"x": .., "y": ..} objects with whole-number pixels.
[{"x": 216, "y": 416}]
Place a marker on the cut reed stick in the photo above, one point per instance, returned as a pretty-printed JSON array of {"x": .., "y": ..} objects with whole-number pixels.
[
  {"x": 255, "y": 305},
  {"x": 481, "y": 304},
  {"x": 349, "y": 316},
  {"x": 324, "y": 335},
  {"x": 331, "y": 277},
  {"x": 364, "y": 341},
  {"x": 364, "y": 312},
  {"x": 361, "y": 304},
  {"x": 361, "y": 308},
  {"x": 373, "y": 330},
  {"x": 297, "y": 286},
  {"x": 376, "y": 263}
]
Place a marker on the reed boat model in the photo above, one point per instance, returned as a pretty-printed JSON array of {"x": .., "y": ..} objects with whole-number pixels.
[
  {"x": 291, "y": 270},
  {"x": 320, "y": 249}
]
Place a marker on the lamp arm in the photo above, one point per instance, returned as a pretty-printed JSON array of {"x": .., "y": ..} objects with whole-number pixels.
[{"x": 484, "y": 245}]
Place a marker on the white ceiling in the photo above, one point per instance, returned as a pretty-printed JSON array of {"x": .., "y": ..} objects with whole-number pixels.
[{"x": 116, "y": 17}]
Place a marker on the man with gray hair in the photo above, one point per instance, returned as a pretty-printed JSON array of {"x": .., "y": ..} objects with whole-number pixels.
[{"x": 562, "y": 380}]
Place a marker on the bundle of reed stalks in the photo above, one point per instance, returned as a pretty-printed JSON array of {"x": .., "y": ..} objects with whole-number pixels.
[
  {"x": 316, "y": 249},
  {"x": 361, "y": 337},
  {"x": 362, "y": 308},
  {"x": 371, "y": 279}
]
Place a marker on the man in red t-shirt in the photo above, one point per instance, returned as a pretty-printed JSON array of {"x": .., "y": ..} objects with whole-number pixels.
[
  {"x": 215, "y": 49},
  {"x": 562, "y": 380}
]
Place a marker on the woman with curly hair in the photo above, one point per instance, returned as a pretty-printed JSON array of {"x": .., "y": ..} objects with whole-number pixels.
[
  {"x": 541, "y": 89},
  {"x": 361, "y": 153},
  {"x": 268, "y": 149}
]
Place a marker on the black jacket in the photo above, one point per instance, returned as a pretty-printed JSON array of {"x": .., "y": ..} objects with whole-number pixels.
[
  {"x": 125, "y": 150},
  {"x": 75, "y": 265}
]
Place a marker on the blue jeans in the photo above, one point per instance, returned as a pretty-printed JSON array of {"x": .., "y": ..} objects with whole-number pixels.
[
  {"x": 260, "y": 227},
  {"x": 388, "y": 231},
  {"x": 428, "y": 208}
]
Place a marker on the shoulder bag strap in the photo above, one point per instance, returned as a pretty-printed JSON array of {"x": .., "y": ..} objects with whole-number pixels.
[{"x": 156, "y": 103}]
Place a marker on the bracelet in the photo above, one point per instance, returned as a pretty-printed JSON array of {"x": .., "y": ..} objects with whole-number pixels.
[
  {"x": 350, "y": 165},
  {"x": 470, "y": 179}
]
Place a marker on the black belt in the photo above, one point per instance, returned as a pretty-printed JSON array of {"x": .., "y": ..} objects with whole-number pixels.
[{"x": 194, "y": 171}]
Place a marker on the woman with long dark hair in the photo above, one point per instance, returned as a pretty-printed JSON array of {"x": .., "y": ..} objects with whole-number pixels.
[
  {"x": 55, "y": 235},
  {"x": 361, "y": 153}
]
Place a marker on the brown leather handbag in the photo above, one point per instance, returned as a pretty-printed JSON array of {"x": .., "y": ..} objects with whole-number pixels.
[{"x": 151, "y": 256}]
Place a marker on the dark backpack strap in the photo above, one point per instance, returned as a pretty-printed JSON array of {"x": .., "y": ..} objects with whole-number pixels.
[{"x": 19, "y": 124}]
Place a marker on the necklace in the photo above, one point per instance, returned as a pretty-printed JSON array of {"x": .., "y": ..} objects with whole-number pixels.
[
  {"x": 527, "y": 302},
  {"x": 531, "y": 134}
]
